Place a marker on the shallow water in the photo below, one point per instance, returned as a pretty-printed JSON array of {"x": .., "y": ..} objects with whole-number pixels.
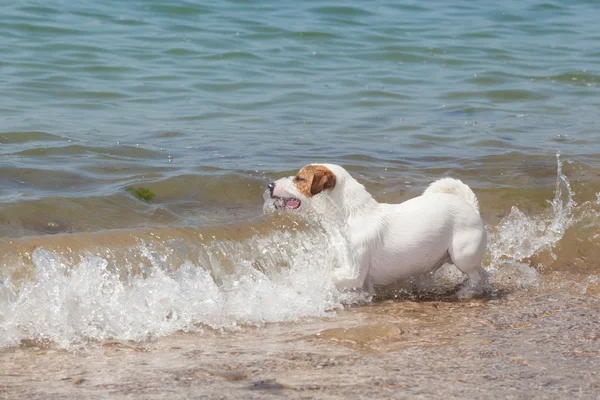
[
  {"x": 519, "y": 346},
  {"x": 204, "y": 104}
]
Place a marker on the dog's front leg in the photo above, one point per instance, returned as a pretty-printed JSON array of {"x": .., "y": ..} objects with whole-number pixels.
[{"x": 354, "y": 274}]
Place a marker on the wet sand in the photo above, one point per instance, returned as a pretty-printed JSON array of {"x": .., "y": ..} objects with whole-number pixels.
[{"x": 528, "y": 344}]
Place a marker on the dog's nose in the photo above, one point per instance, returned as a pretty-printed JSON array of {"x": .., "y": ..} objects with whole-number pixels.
[{"x": 271, "y": 187}]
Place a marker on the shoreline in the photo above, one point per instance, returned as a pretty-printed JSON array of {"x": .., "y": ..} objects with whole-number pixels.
[{"x": 527, "y": 344}]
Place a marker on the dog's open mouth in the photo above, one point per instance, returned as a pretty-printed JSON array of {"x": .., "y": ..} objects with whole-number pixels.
[{"x": 291, "y": 203}]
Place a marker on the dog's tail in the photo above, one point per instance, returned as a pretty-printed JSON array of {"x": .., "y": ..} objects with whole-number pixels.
[{"x": 455, "y": 187}]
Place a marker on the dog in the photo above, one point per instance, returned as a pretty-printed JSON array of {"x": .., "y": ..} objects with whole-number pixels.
[{"x": 391, "y": 242}]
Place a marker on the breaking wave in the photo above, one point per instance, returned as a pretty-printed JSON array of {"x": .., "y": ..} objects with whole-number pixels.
[{"x": 279, "y": 277}]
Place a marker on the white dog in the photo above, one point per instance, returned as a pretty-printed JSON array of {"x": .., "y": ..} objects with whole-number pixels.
[{"x": 392, "y": 242}]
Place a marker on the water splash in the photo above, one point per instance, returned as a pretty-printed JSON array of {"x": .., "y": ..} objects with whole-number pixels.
[
  {"x": 279, "y": 277},
  {"x": 519, "y": 236}
]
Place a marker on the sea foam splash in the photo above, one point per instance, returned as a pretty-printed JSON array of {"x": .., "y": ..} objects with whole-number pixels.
[
  {"x": 282, "y": 276},
  {"x": 518, "y": 236}
]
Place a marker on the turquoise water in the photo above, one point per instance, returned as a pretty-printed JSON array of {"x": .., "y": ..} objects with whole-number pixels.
[
  {"x": 274, "y": 84},
  {"x": 204, "y": 102}
]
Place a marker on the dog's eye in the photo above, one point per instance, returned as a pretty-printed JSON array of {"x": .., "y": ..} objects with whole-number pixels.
[{"x": 298, "y": 179}]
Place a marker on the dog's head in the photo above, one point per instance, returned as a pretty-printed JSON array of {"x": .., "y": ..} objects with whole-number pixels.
[
  {"x": 296, "y": 192},
  {"x": 324, "y": 188}
]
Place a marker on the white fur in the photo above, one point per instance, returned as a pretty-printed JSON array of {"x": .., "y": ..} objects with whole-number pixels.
[
  {"x": 455, "y": 187},
  {"x": 393, "y": 242}
]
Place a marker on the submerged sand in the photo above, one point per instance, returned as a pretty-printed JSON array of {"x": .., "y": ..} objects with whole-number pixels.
[{"x": 535, "y": 344}]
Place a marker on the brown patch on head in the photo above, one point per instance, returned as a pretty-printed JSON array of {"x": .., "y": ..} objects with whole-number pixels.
[{"x": 313, "y": 179}]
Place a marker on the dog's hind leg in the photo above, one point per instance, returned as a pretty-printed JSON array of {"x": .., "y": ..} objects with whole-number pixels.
[{"x": 466, "y": 253}]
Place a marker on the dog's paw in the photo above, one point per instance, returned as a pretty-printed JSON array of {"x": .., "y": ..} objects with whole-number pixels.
[{"x": 470, "y": 289}]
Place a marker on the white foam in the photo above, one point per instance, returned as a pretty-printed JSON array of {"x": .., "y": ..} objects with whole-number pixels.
[
  {"x": 70, "y": 307},
  {"x": 519, "y": 236}
]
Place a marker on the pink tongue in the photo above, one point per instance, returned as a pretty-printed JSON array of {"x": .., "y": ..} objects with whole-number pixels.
[{"x": 292, "y": 204}]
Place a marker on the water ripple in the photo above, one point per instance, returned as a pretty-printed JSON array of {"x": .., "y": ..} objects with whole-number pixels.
[{"x": 260, "y": 86}]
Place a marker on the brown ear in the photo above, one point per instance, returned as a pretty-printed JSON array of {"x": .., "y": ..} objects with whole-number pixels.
[{"x": 323, "y": 179}]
